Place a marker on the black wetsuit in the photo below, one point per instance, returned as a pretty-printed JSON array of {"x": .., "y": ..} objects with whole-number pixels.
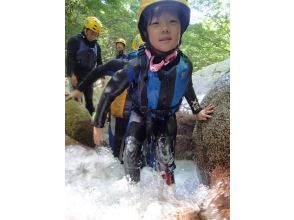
[
  {"x": 117, "y": 133},
  {"x": 82, "y": 57},
  {"x": 121, "y": 55},
  {"x": 155, "y": 98}
]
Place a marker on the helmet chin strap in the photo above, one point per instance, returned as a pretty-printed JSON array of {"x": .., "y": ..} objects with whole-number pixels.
[{"x": 167, "y": 59}]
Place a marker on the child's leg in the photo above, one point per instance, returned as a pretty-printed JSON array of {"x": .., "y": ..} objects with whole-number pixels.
[
  {"x": 133, "y": 144},
  {"x": 164, "y": 149}
]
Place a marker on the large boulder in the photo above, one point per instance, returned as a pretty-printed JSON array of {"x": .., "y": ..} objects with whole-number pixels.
[
  {"x": 184, "y": 148},
  {"x": 185, "y": 125},
  {"x": 78, "y": 123},
  {"x": 211, "y": 138},
  {"x": 69, "y": 141},
  {"x": 204, "y": 79}
]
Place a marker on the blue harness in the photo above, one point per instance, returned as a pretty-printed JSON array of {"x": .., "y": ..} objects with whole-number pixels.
[{"x": 146, "y": 85}]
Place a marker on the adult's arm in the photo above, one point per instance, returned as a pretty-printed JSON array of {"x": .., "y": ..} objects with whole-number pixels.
[
  {"x": 99, "y": 58},
  {"x": 72, "y": 47}
]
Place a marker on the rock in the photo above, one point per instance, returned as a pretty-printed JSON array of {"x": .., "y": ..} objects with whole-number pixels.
[
  {"x": 185, "y": 126},
  {"x": 212, "y": 138},
  {"x": 217, "y": 201},
  {"x": 204, "y": 79},
  {"x": 69, "y": 141},
  {"x": 184, "y": 214},
  {"x": 184, "y": 148},
  {"x": 99, "y": 86},
  {"x": 78, "y": 123},
  {"x": 185, "y": 123}
]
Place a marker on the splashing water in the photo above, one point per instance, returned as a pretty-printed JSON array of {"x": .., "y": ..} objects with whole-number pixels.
[{"x": 96, "y": 188}]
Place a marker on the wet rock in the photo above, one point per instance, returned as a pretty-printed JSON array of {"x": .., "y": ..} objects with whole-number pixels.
[
  {"x": 69, "y": 141},
  {"x": 78, "y": 123},
  {"x": 184, "y": 214},
  {"x": 217, "y": 202},
  {"x": 211, "y": 139},
  {"x": 184, "y": 148},
  {"x": 185, "y": 125}
]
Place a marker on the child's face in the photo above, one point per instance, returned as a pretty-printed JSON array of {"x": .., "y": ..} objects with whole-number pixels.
[
  {"x": 164, "y": 32},
  {"x": 119, "y": 47}
]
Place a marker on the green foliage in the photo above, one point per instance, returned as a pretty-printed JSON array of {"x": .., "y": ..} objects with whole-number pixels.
[
  {"x": 117, "y": 17},
  {"x": 209, "y": 41},
  {"x": 204, "y": 43}
]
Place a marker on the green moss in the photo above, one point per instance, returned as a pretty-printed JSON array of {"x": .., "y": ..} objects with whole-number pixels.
[{"x": 78, "y": 123}]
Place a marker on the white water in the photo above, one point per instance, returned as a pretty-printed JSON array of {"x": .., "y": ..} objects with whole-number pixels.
[{"x": 96, "y": 188}]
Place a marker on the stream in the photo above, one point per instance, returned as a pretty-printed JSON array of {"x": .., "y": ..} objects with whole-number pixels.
[{"x": 96, "y": 188}]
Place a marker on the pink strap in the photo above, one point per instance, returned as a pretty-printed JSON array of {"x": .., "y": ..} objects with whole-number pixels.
[{"x": 164, "y": 62}]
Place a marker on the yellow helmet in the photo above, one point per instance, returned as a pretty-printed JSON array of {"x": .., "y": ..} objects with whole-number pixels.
[
  {"x": 93, "y": 24},
  {"x": 136, "y": 42},
  {"x": 120, "y": 40},
  {"x": 180, "y": 5}
]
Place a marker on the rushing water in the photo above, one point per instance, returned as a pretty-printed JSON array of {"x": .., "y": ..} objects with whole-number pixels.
[{"x": 96, "y": 188}]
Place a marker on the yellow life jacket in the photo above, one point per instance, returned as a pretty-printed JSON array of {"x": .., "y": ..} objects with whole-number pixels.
[{"x": 118, "y": 105}]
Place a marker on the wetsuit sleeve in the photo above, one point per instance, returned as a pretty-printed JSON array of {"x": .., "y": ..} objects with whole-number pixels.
[
  {"x": 192, "y": 100},
  {"x": 72, "y": 47},
  {"x": 99, "y": 58},
  {"x": 108, "y": 69},
  {"x": 117, "y": 84},
  {"x": 190, "y": 94}
]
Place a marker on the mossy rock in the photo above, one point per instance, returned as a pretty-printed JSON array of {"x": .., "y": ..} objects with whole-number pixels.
[
  {"x": 78, "y": 123},
  {"x": 69, "y": 141}
]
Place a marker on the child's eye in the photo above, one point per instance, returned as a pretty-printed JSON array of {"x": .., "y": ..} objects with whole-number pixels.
[
  {"x": 154, "y": 23},
  {"x": 173, "y": 21}
]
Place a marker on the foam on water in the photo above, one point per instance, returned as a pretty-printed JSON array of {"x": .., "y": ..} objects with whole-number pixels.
[{"x": 96, "y": 188}]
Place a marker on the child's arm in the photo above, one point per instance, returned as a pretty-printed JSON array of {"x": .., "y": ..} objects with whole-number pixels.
[
  {"x": 192, "y": 99},
  {"x": 117, "y": 84},
  {"x": 201, "y": 114}
]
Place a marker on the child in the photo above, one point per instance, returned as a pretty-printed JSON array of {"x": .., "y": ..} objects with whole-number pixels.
[{"x": 158, "y": 79}]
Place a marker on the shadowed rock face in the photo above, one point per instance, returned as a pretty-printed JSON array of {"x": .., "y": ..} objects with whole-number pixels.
[
  {"x": 184, "y": 148},
  {"x": 211, "y": 139},
  {"x": 185, "y": 125},
  {"x": 78, "y": 123}
]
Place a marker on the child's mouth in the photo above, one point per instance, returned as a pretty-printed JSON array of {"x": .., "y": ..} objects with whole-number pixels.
[{"x": 165, "y": 39}]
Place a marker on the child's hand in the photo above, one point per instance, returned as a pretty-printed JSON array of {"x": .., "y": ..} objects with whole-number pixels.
[
  {"x": 204, "y": 114},
  {"x": 98, "y": 136},
  {"x": 74, "y": 94},
  {"x": 73, "y": 80}
]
